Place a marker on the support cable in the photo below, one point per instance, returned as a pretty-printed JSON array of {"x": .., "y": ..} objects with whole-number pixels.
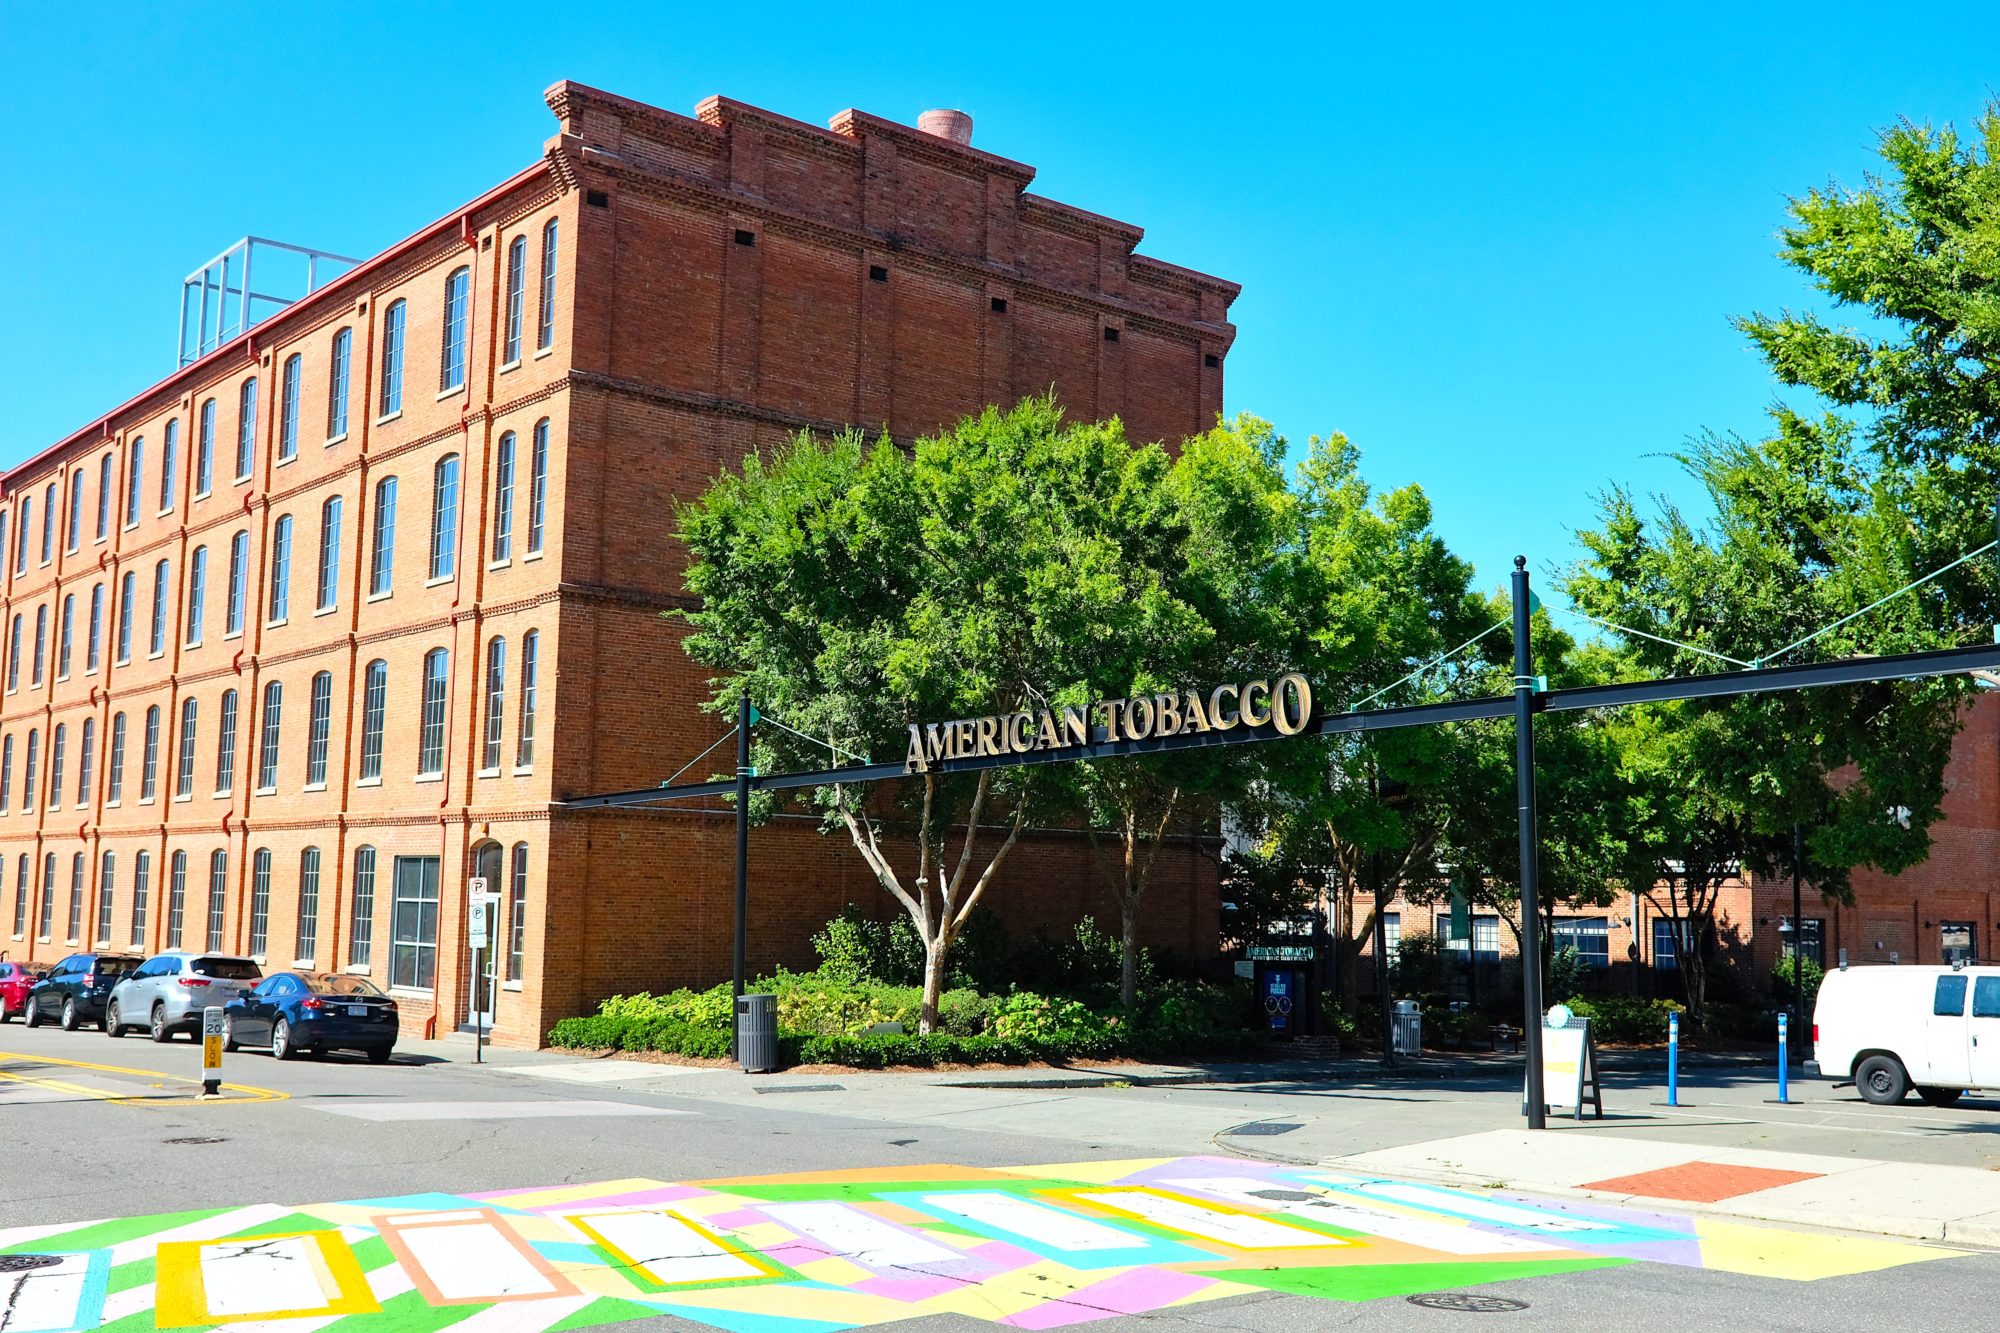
[
  {"x": 698, "y": 758},
  {"x": 1435, "y": 661},
  {"x": 1671, "y": 643},
  {"x": 1907, "y": 587},
  {"x": 827, "y": 745}
]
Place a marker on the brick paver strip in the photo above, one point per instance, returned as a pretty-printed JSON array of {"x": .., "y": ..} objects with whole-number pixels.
[{"x": 1701, "y": 1182}]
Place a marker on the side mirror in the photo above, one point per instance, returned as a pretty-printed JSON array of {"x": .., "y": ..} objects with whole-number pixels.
[{"x": 242, "y": 992}]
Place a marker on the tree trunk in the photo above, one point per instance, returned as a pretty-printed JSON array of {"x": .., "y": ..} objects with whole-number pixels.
[
  {"x": 935, "y": 951},
  {"x": 1128, "y": 966}
]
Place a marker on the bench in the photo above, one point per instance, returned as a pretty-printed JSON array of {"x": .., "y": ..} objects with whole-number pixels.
[{"x": 1503, "y": 1035}]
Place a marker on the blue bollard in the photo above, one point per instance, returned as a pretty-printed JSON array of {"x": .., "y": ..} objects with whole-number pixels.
[
  {"x": 1673, "y": 1059},
  {"x": 1784, "y": 1030}
]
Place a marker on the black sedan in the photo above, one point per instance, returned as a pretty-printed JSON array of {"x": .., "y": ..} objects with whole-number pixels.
[{"x": 289, "y": 1012}]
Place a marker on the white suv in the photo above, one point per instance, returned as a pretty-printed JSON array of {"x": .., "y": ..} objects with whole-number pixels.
[{"x": 168, "y": 991}]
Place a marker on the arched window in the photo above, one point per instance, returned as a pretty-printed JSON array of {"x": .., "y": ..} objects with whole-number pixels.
[
  {"x": 86, "y": 758},
  {"x": 267, "y": 755},
  {"x": 75, "y": 933},
  {"x": 382, "y": 562},
  {"x": 545, "y": 335},
  {"x": 169, "y": 460},
  {"x": 538, "y": 486},
  {"x": 281, "y": 570},
  {"x": 197, "y": 594},
  {"x": 288, "y": 410},
  {"x": 239, "y": 577},
  {"x": 65, "y": 633},
  {"x": 336, "y": 402},
  {"x": 329, "y": 554},
  {"x": 260, "y": 902},
  {"x": 444, "y": 517},
  {"x": 142, "y": 890},
  {"x": 517, "y": 912},
  {"x": 21, "y": 897},
  {"x": 162, "y": 572},
  {"x": 14, "y": 653},
  {"x": 177, "y": 879},
  {"x": 135, "y": 479},
  {"x": 58, "y": 748},
  {"x": 374, "y": 706},
  {"x": 246, "y": 429},
  {"x": 318, "y": 726},
  {"x": 361, "y": 931},
  {"x": 48, "y": 522},
  {"x": 94, "y": 645},
  {"x": 308, "y": 941},
  {"x": 21, "y": 535},
  {"x": 204, "y": 449},
  {"x": 524, "y": 742},
  {"x": 184, "y": 780},
  {"x": 127, "y": 590},
  {"x": 41, "y": 642},
  {"x": 496, "y": 701},
  {"x": 107, "y": 888},
  {"x": 47, "y": 925},
  {"x": 218, "y": 895},
  {"x": 430, "y": 740},
  {"x": 225, "y": 745},
  {"x": 392, "y": 358},
  {"x": 503, "y": 499},
  {"x": 114, "y": 780},
  {"x": 457, "y": 329},
  {"x": 32, "y": 770},
  {"x": 6, "y": 773},
  {"x": 149, "y": 755},
  {"x": 75, "y": 534},
  {"x": 104, "y": 489},
  {"x": 517, "y": 298}
]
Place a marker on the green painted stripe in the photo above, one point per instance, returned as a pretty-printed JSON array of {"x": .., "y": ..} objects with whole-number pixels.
[
  {"x": 106, "y": 1234},
  {"x": 127, "y": 1276}
]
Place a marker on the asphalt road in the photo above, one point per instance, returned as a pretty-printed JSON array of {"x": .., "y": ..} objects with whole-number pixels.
[{"x": 107, "y": 1129}]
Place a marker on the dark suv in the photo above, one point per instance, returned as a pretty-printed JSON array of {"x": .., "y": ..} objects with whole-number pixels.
[{"x": 76, "y": 989}]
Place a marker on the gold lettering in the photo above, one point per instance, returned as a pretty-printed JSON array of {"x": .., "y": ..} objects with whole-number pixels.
[
  {"x": 1251, "y": 712},
  {"x": 1076, "y": 725},
  {"x": 988, "y": 727},
  {"x": 1169, "y": 708},
  {"x": 915, "y": 763},
  {"x": 1217, "y": 718},
  {"x": 1046, "y": 736},
  {"x": 1021, "y": 733},
  {"x": 1139, "y": 718},
  {"x": 1294, "y": 704},
  {"x": 1114, "y": 718},
  {"x": 937, "y": 743},
  {"x": 961, "y": 739},
  {"x": 1197, "y": 720}
]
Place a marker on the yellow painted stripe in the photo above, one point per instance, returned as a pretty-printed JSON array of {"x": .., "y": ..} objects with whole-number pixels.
[{"x": 246, "y": 1093}]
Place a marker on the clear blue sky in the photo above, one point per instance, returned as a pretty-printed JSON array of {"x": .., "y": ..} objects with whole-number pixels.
[{"x": 1497, "y": 249}]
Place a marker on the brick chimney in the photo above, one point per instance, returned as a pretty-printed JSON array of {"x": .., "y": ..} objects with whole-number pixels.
[{"x": 953, "y": 125}]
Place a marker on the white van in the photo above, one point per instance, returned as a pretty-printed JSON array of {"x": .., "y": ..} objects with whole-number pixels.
[{"x": 1893, "y": 1028}]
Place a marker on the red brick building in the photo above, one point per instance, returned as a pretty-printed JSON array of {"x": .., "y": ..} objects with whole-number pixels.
[{"x": 306, "y": 635}]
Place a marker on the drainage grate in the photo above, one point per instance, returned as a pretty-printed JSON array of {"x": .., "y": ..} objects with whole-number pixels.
[
  {"x": 191, "y": 1139},
  {"x": 25, "y": 1263},
  {"x": 803, "y": 1087},
  {"x": 1263, "y": 1129},
  {"x": 1467, "y": 1303}
]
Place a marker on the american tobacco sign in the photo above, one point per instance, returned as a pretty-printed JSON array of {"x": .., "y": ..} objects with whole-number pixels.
[{"x": 1285, "y": 705}]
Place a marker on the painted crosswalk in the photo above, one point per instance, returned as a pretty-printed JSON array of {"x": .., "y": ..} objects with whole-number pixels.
[{"x": 1032, "y": 1247}]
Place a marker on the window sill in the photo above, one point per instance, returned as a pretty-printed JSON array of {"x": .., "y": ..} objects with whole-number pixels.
[
  {"x": 545, "y": 351},
  {"x": 198, "y": 495},
  {"x": 192, "y": 643},
  {"x": 381, "y": 596},
  {"x": 276, "y": 624},
  {"x": 332, "y": 440},
  {"x": 438, "y": 582},
  {"x": 63, "y": 679},
  {"x": 223, "y": 794},
  {"x": 357, "y": 969},
  {"x": 156, "y": 654},
  {"x": 487, "y": 773},
  {"x": 503, "y": 563},
  {"x": 232, "y": 634},
  {"x": 287, "y": 461},
  {"x": 102, "y": 538},
  {"x": 181, "y": 799},
  {"x": 428, "y": 777},
  {"x": 265, "y": 791},
  {"x": 243, "y": 480},
  {"x": 304, "y": 962},
  {"x": 524, "y": 770},
  {"x": 509, "y": 367},
  {"x": 148, "y": 800},
  {"x": 368, "y": 782},
  {"x": 513, "y": 986},
  {"x": 130, "y": 526},
  {"x": 168, "y": 512},
  {"x": 453, "y": 392},
  {"x": 114, "y": 804},
  {"x": 41, "y": 939},
  {"x": 532, "y": 555},
  {"x": 15, "y": 938},
  {"x": 326, "y": 610},
  {"x": 314, "y": 786},
  {"x": 123, "y": 661},
  {"x": 388, "y": 417},
  {"x": 415, "y": 992}
]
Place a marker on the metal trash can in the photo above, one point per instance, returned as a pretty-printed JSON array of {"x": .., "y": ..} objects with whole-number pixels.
[
  {"x": 757, "y": 1033},
  {"x": 1407, "y": 1031}
]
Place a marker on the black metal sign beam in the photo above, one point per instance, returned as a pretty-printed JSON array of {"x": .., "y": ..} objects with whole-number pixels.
[{"x": 1811, "y": 675}]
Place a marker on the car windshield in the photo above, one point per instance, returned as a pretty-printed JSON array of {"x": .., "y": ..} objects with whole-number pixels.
[
  {"x": 227, "y": 969},
  {"x": 334, "y": 983}
]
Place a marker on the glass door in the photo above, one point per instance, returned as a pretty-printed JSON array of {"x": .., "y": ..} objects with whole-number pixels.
[{"x": 486, "y": 867}]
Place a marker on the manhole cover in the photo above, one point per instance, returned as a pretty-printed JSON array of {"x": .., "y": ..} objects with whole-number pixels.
[
  {"x": 1466, "y": 1302},
  {"x": 1284, "y": 1196},
  {"x": 22, "y": 1263},
  {"x": 192, "y": 1139},
  {"x": 1262, "y": 1128}
]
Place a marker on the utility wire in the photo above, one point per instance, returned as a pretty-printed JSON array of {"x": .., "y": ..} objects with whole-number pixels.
[
  {"x": 1440, "y": 658},
  {"x": 858, "y": 758},
  {"x": 698, "y": 758},
  {"x": 1642, "y": 634},
  {"x": 1907, "y": 587}
]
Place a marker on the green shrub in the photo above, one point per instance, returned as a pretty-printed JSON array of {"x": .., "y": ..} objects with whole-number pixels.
[
  {"x": 1742, "y": 1022},
  {"x": 1626, "y": 1018},
  {"x": 964, "y": 1012},
  {"x": 1781, "y": 979},
  {"x": 1564, "y": 978}
]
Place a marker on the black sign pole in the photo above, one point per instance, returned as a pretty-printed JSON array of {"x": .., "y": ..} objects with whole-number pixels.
[
  {"x": 743, "y": 711},
  {"x": 1531, "y": 910}
]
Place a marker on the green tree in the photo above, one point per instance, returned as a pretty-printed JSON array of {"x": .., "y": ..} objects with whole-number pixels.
[{"x": 855, "y": 589}]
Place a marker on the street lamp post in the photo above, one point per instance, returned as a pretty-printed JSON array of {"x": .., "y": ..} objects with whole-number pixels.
[{"x": 1531, "y": 909}]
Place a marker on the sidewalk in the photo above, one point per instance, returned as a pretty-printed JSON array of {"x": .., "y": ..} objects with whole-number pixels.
[{"x": 1948, "y": 1203}]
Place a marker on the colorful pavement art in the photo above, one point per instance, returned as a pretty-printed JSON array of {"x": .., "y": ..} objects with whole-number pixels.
[{"x": 1029, "y": 1247}]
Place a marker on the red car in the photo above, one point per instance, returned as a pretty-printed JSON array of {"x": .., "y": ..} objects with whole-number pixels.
[{"x": 15, "y": 982}]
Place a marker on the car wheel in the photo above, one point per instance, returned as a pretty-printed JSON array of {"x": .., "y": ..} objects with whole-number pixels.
[
  {"x": 70, "y": 1020},
  {"x": 1940, "y": 1096},
  {"x": 6, "y": 1013},
  {"x": 157, "y": 1029},
  {"x": 378, "y": 1055},
  {"x": 281, "y": 1040},
  {"x": 112, "y": 1027},
  {"x": 229, "y": 1033},
  {"x": 32, "y": 1013},
  {"x": 1881, "y": 1080}
]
